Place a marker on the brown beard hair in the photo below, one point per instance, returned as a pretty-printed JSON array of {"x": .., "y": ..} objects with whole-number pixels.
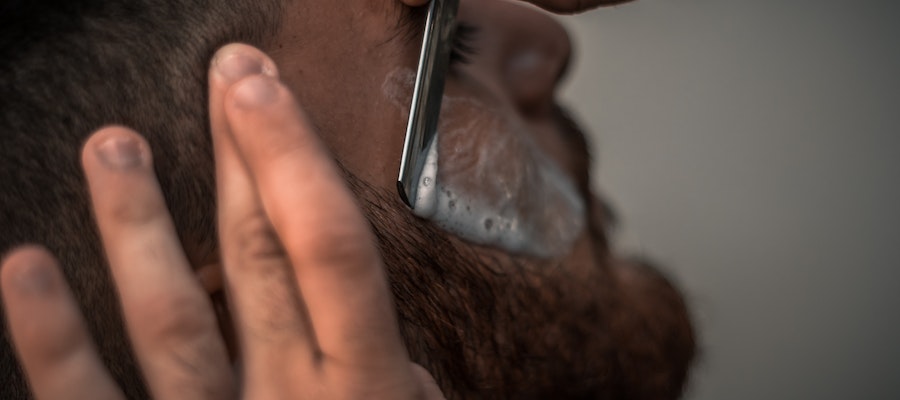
[{"x": 490, "y": 325}]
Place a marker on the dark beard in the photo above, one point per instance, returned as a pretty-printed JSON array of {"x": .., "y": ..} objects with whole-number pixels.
[
  {"x": 490, "y": 325},
  {"x": 485, "y": 324}
]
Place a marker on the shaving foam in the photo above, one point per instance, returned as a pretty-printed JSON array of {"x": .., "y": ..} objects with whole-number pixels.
[{"x": 486, "y": 181}]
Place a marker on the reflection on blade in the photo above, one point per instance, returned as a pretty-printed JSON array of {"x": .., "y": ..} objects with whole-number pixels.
[{"x": 434, "y": 62}]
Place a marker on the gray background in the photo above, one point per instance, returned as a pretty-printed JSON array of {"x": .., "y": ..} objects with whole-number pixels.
[{"x": 753, "y": 148}]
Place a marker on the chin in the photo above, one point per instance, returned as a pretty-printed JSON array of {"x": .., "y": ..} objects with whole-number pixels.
[{"x": 488, "y": 324}]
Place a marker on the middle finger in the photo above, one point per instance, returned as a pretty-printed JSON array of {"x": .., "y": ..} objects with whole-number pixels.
[
  {"x": 331, "y": 247},
  {"x": 269, "y": 314},
  {"x": 170, "y": 320}
]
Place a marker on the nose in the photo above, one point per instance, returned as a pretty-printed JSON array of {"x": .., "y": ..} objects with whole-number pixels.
[
  {"x": 537, "y": 57},
  {"x": 532, "y": 50}
]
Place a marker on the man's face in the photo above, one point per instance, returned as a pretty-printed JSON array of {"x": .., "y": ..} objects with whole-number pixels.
[
  {"x": 488, "y": 319},
  {"x": 475, "y": 314},
  {"x": 541, "y": 315},
  {"x": 502, "y": 143}
]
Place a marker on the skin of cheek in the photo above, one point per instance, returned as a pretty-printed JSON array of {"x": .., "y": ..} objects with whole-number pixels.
[
  {"x": 494, "y": 185},
  {"x": 336, "y": 76}
]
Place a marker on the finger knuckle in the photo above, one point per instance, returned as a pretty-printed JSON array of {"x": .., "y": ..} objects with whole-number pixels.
[
  {"x": 257, "y": 242},
  {"x": 136, "y": 210},
  {"x": 278, "y": 317},
  {"x": 175, "y": 318},
  {"x": 336, "y": 245}
]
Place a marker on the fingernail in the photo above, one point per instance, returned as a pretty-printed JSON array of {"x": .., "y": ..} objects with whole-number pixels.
[
  {"x": 120, "y": 152},
  {"x": 237, "y": 65},
  {"x": 34, "y": 279},
  {"x": 255, "y": 92}
]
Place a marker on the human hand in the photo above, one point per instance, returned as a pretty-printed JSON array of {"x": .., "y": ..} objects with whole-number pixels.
[
  {"x": 573, "y": 6},
  {"x": 557, "y": 6},
  {"x": 307, "y": 291}
]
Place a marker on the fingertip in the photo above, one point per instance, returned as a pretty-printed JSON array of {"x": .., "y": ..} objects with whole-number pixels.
[
  {"x": 116, "y": 147},
  {"x": 38, "y": 305},
  {"x": 28, "y": 270},
  {"x": 47, "y": 329},
  {"x": 236, "y": 61},
  {"x": 118, "y": 166},
  {"x": 230, "y": 64},
  {"x": 262, "y": 112},
  {"x": 254, "y": 91},
  {"x": 110, "y": 130},
  {"x": 574, "y": 6}
]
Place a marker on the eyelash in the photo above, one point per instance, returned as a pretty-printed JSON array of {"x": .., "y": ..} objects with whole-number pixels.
[{"x": 463, "y": 49}]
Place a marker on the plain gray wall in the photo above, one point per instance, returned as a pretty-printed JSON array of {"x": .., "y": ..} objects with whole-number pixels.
[{"x": 753, "y": 148}]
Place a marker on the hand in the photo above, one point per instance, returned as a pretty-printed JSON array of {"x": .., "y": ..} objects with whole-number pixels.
[
  {"x": 308, "y": 294},
  {"x": 573, "y": 6},
  {"x": 557, "y": 6}
]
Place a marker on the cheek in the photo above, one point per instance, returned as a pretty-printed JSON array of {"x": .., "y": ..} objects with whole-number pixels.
[{"x": 398, "y": 89}]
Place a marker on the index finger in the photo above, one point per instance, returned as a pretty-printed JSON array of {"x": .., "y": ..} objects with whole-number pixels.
[{"x": 328, "y": 240}]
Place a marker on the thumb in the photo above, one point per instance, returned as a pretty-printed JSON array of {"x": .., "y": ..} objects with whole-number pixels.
[{"x": 573, "y": 6}]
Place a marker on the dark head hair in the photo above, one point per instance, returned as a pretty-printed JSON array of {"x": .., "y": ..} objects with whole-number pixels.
[{"x": 69, "y": 67}]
